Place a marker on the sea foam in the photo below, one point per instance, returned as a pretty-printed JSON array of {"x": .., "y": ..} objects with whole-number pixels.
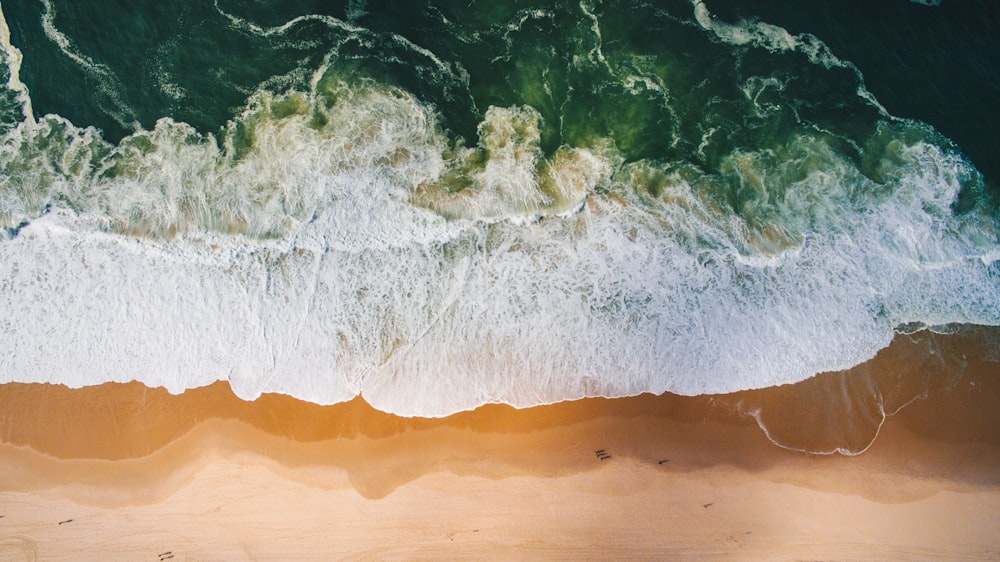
[
  {"x": 371, "y": 292},
  {"x": 336, "y": 241}
]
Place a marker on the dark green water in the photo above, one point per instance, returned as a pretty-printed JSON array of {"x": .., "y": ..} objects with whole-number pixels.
[
  {"x": 463, "y": 202},
  {"x": 934, "y": 64}
]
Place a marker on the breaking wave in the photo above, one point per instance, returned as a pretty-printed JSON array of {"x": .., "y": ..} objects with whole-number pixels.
[{"x": 335, "y": 238}]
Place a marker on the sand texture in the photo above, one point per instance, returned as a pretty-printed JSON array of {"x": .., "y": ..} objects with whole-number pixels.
[{"x": 125, "y": 472}]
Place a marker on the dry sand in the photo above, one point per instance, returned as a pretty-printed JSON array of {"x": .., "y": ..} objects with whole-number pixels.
[{"x": 124, "y": 472}]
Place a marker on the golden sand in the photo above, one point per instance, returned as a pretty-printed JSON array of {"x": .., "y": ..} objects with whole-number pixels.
[{"x": 125, "y": 472}]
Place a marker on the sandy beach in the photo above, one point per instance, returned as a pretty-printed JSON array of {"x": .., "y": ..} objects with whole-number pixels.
[
  {"x": 121, "y": 471},
  {"x": 456, "y": 280}
]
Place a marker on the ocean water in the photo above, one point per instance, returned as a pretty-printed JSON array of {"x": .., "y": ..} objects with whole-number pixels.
[{"x": 442, "y": 204}]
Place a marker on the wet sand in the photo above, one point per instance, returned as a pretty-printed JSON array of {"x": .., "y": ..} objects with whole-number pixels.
[{"x": 121, "y": 471}]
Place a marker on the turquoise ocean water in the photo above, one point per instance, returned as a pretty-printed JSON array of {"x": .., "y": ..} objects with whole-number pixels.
[{"x": 442, "y": 204}]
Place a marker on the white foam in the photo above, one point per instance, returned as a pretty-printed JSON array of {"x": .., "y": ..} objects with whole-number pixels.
[
  {"x": 596, "y": 54},
  {"x": 12, "y": 58},
  {"x": 103, "y": 79},
  {"x": 453, "y": 71},
  {"x": 514, "y": 182},
  {"x": 425, "y": 316},
  {"x": 326, "y": 249},
  {"x": 777, "y": 39},
  {"x": 515, "y": 25}
]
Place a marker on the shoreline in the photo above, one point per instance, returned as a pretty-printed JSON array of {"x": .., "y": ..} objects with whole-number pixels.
[
  {"x": 208, "y": 475},
  {"x": 834, "y": 412}
]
